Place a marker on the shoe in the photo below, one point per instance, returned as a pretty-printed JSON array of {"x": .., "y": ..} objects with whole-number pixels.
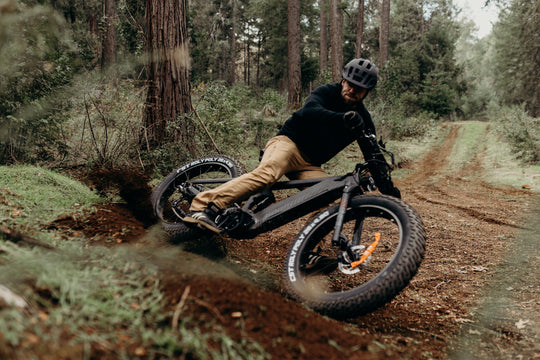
[
  {"x": 203, "y": 219},
  {"x": 317, "y": 263}
]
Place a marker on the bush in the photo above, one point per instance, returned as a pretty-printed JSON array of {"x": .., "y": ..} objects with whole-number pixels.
[
  {"x": 393, "y": 122},
  {"x": 521, "y": 131},
  {"x": 105, "y": 122}
]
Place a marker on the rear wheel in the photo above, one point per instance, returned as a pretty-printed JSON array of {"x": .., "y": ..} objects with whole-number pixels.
[
  {"x": 348, "y": 289},
  {"x": 170, "y": 204}
]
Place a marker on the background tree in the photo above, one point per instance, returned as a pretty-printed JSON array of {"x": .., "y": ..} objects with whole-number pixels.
[
  {"x": 294, "y": 75},
  {"x": 422, "y": 75},
  {"x": 384, "y": 32},
  {"x": 323, "y": 46},
  {"x": 337, "y": 39},
  {"x": 359, "y": 29},
  {"x": 168, "y": 93},
  {"x": 108, "y": 55},
  {"x": 516, "y": 67}
]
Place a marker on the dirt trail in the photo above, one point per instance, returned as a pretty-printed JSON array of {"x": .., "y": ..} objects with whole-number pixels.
[{"x": 470, "y": 226}]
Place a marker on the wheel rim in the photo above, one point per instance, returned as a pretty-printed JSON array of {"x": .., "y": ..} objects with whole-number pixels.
[
  {"x": 172, "y": 195},
  {"x": 345, "y": 280}
]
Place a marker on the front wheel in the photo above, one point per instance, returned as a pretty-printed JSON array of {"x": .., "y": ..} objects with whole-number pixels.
[
  {"x": 345, "y": 287},
  {"x": 170, "y": 204}
]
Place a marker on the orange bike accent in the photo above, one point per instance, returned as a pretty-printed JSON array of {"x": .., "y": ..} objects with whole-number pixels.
[{"x": 368, "y": 251}]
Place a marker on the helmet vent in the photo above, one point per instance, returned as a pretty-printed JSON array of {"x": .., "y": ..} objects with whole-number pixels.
[{"x": 362, "y": 73}]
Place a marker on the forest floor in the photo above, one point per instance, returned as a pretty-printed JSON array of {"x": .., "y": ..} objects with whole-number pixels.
[{"x": 475, "y": 296}]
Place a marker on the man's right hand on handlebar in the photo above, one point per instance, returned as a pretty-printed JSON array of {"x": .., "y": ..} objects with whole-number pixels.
[{"x": 353, "y": 121}]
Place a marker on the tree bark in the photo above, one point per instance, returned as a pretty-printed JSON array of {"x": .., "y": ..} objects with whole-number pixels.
[
  {"x": 108, "y": 53},
  {"x": 168, "y": 74},
  {"x": 337, "y": 40},
  {"x": 359, "y": 29},
  {"x": 323, "y": 53},
  {"x": 232, "y": 63},
  {"x": 294, "y": 57},
  {"x": 384, "y": 32}
]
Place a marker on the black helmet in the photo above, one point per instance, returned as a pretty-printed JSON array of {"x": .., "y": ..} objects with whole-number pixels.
[{"x": 362, "y": 73}]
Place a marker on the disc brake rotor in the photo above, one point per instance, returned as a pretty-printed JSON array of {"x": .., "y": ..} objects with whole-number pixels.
[{"x": 345, "y": 267}]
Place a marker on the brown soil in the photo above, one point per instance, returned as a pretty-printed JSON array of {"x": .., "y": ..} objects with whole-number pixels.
[{"x": 470, "y": 227}]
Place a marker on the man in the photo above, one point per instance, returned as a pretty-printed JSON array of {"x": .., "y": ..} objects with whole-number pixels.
[{"x": 329, "y": 121}]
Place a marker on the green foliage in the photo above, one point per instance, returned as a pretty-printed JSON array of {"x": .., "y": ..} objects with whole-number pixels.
[
  {"x": 516, "y": 68},
  {"x": 392, "y": 122},
  {"x": 130, "y": 27},
  {"x": 234, "y": 119},
  {"x": 422, "y": 75},
  {"x": 217, "y": 106},
  {"x": 38, "y": 58},
  {"x": 521, "y": 131},
  {"x": 105, "y": 122},
  {"x": 476, "y": 57}
]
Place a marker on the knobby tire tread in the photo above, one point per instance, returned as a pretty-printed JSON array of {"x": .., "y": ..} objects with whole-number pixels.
[
  {"x": 385, "y": 288},
  {"x": 179, "y": 231}
]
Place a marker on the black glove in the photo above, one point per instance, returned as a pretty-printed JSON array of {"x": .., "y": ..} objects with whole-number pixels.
[
  {"x": 394, "y": 192},
  {"x": 353, "y": 121},
  {"x": 386, "y": 186}
]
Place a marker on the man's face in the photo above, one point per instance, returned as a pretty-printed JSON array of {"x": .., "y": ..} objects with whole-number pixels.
[{"x": 352, "y": 94}]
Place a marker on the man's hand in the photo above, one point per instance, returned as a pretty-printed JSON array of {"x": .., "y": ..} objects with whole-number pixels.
[
  {"x": 353, "y": 121},
  {"x": 394, "y": 192}
]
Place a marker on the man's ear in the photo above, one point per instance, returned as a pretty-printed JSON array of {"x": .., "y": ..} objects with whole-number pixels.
[{"x": 366, "y": 92}]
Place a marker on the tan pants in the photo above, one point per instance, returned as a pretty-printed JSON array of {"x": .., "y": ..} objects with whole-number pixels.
[{"x": 281, "y": 157}]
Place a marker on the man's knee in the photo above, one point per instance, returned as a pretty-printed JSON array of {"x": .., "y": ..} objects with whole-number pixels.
[{"x": 267, "y": 173}]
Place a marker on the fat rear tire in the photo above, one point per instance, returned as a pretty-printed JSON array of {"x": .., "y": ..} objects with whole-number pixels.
[{"x": 212, "y": 166}]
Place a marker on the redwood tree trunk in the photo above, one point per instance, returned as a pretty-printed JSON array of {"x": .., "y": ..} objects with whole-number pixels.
[
  {"x": 359, "y": 29},
  {"x": 294, "y": 59},
  {"x": 384, "y": 32},
  {"x": 337, "y": 40},
  {"x": 168, "y": 74},
  {"x": 108, "y": 54},
  {"x": 323, "y": 5}
]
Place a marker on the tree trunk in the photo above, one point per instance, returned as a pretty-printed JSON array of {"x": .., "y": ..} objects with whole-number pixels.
[
  {"x": 323, "y": 54},
  {"x": 337, "y": 40},
  {"x": 422, "y": 20},
  {"x": 168, "y": 74},
  {"x": 359, "y": 29},
  {"x": 108, "y": 53},
  {"x": 232, "y": 61},
  {"x": 537, "y": 99},
  {"x": 384, "y": 32},
  {"x": 294, "y": 73}
]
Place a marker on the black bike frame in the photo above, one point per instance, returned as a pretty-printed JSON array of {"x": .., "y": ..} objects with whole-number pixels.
[{"x": 316, "y": 193}]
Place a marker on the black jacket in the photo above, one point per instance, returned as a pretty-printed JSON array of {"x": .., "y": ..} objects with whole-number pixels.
[{"x": 318, "y": 128}]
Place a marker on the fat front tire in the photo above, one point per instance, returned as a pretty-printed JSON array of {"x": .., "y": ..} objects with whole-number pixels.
[
  {"x": 345, "y": 291},
  {"x": 212, "y": 166}
]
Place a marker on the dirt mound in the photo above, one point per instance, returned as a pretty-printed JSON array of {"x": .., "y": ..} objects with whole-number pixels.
[
  {"x": 107, "y": 224},
  {"x": 114, "y": 222},
  {"x": 131, "y": 184}
]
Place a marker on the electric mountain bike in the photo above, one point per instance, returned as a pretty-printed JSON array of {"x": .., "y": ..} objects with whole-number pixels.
[{"x": 353, "y": 256}]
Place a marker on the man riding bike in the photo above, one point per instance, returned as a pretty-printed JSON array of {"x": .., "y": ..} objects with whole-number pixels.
[{"x": 331, "y": 119}]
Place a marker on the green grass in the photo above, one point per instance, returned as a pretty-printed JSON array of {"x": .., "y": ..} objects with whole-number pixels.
[
  {"x": 35, "y": 196},
  {"x": 501, "y": 166},
  {"x": 469, "y": 144}
]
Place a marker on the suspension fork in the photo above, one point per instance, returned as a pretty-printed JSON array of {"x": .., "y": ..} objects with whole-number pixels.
[{"x": 343, "y": 205}]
